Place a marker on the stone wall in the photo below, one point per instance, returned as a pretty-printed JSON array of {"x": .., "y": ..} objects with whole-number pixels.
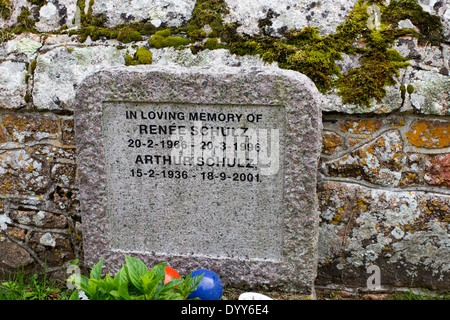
[
  {"x": 384, "y": 185},
  {"x": 384, "y": 199}
]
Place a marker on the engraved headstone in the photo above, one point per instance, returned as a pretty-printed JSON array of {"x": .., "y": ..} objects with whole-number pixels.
[{"x": 201, "y": 168}]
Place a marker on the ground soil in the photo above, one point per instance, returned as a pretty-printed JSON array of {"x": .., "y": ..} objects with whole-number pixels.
[{"x": 233, "y": 294}]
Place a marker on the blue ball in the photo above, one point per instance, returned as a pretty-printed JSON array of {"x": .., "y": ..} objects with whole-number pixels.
[{"x": 210, "y": 288}]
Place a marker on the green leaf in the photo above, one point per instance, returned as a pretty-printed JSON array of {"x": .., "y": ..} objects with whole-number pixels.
[
  {"x": 195, "y": 282},
  {"x": 191, "y": 284},
  {"x": 29, "y": 294},
  {"x": 152, "y": 286},
  {"x": 75, "y": 295},
  {"x": 171, "y": 296},
  {"x": 173, "y": 284},
  {"x": 80, "y": 281},
  {"x": 75, "y": 262},
  {"x": 147, "y": 279},
  {"x": 136, "y": 269},
  {"x": 159, "y": 269},
  {"x": 97, "y": 271},
  {"x": 122, "y": 275},
  {"x": 115, "y": 294},
  {"x": 103, "y": 285},
  {"x": 123, "y": 291}
]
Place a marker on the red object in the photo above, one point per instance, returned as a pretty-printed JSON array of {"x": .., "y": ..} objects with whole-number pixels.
[{"x": 170, "y": 273}]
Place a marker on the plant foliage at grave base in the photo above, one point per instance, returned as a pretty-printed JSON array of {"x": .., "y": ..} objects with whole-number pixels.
[
  {"x": 134, "y": 282},
  {"x": 23, "y": 286}
]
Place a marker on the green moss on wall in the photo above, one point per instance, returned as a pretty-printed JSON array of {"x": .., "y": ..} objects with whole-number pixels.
[
  {"x": 6, "y": 8},
  {"x": 25, "y": 20},
  {"x": 163, "y": 39},
  {"x": 403, "y": 91},
  {"x": 360, "y": 85},
  {"x": 142, "y": 56},
  {"x": 305, "y": 50},
  {"x": 38, "y": 3},
  {"x": 207, "y": 13},
  {"x": 33, "y": 66},
  {"x": 431, "y": 29},
  {"x": 309, "y": 53},
  {"x": 212, "y": 44},
  {"x": 127, "y": 35}
]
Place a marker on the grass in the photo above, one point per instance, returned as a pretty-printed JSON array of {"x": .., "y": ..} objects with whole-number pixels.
[
  {"x": 425, "y": 295},
  {"x": 23, "y": 286}
]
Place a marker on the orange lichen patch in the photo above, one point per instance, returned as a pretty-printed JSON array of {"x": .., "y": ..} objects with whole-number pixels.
[
  {"x": 378, "y": 162},
  {"x": 2, "y": 136},
  {"x": 361, "y": 126},
  {"x": 330, "y": 141},
  {"x": 429, "y": 134},
  {"x": 409, "y": 179},
  {"x": 28, "y": 127},
  {"x": 431, "y": 209},
  {"x": 336, "y": 219},
  {"x": 361, "y": 204},
  {"x": 17, "y": 232}
]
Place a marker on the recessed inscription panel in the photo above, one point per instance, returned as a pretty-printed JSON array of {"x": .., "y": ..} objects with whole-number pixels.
[{"x": 195, "y": 179}]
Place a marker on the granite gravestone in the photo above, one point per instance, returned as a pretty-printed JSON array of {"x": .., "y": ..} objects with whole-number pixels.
[{"x": 201, "y": 168}]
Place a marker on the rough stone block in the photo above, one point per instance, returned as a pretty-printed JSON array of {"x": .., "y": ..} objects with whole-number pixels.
[
  {"x": 21, "y": 172},
  {"x": 378, "y": 162},
  {"x": 281, "y": 15},
  {"x": 366, "y": 126},
  {"x": 429, "y": 134},
  {"x": 64, "y": 174},
  {"x": 68, "y": 133},
  {"x": 13, "y": 256},
  {"x": 331, "y": 142},
  {"x": 404, "y": 233},
  {"x": 12, "y": 84},
  {"x": 170, "y": 12},
  {"x": 40, "y": 219},
  {"x": 60, "y": 71},
  {"x": 251, "y": 221},
  {"x": 437, "y": 171},
  {"x": 22, "y": 129},
  {"x": 431, "y": 91}
]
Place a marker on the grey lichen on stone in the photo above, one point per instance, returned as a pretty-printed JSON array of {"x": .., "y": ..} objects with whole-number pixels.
[
  {"x": 60, "y": 71},
  {"x": 222, "y": 57},
  {"x": 431, "y": 92},
  {"x": 431, "y": 248},
  {"x": 282, "y": 15},
  {"x": 382, "y": 232},
  {"x": 12, "y": 84},
  {"x": 27, "y": 46},
  {"x": 172, "y": 13}
]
